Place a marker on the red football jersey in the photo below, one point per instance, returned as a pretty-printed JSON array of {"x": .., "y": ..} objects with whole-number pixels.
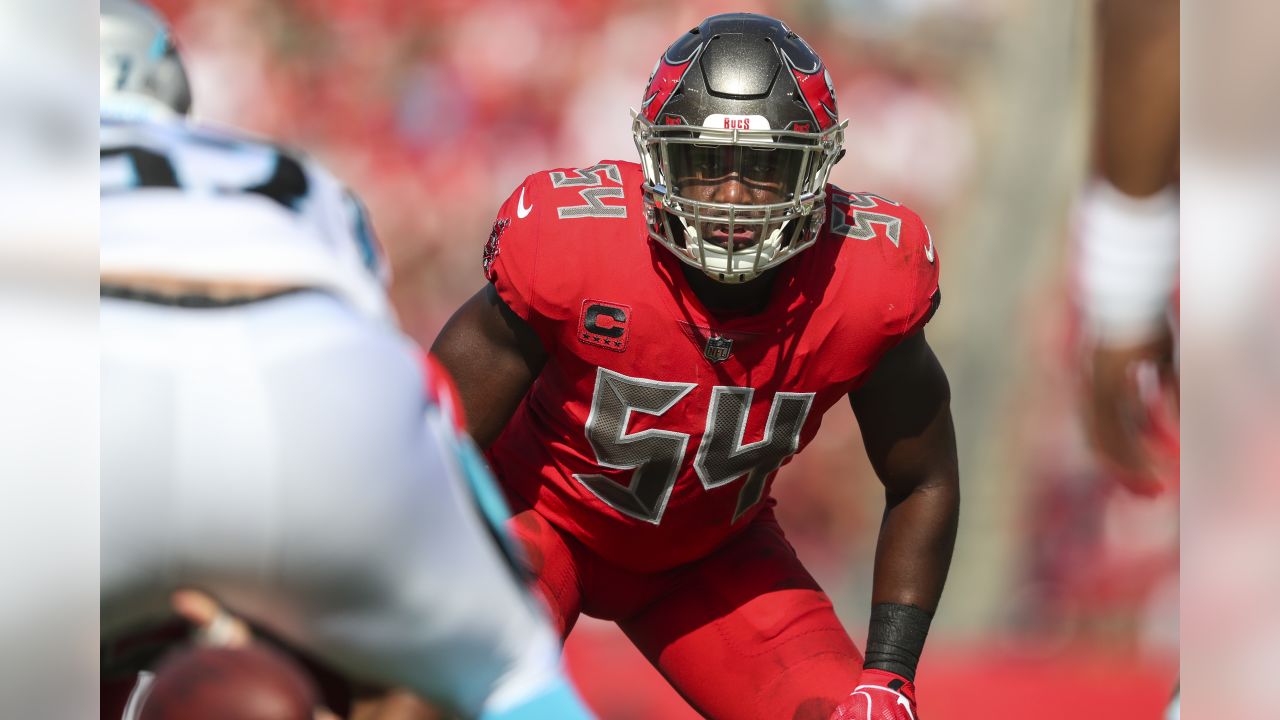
[{"x": 656, "y": 427}]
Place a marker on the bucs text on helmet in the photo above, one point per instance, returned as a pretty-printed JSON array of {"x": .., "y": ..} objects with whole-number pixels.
[
  {"x": 740, "y": 99},
  {"x": 140, "y": 72}
]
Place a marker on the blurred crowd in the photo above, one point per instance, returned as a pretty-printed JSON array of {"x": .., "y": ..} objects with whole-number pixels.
[
  {"x": 973, "y": 113},
  {"x": 435, "y": 110}
]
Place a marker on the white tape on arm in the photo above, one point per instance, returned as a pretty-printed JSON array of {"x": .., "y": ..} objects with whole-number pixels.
[{"x": 1128, "y": 262}]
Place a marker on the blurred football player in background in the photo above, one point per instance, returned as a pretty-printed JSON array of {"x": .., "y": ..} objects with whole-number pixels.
[
  {"x": 1128, "y": 244},
  {"x": 268, "y": 435},
  {"x": 1128, "y": 249},
  {"x": 657, "y": 339}
]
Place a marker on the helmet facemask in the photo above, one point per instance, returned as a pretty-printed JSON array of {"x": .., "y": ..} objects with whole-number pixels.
[{"x": 782, "y": 176}]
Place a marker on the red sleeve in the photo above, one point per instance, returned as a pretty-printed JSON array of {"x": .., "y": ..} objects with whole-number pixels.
[
  {"x": 511, "y": 255},
  {"x": 920, "y": 282},
  {"x": 440, "y": 390}
]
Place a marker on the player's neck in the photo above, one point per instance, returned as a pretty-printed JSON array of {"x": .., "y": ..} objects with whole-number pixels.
[{"x": 746, "y": 298}]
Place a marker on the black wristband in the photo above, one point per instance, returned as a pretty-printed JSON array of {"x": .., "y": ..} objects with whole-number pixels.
[{"x": 896, "y": 638}]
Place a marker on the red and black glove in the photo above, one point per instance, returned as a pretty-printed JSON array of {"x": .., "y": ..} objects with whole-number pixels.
[{"x": 880, "y": 695}]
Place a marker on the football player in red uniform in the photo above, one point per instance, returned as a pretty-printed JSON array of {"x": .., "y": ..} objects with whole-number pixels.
[{"x": 657, "y": 339}]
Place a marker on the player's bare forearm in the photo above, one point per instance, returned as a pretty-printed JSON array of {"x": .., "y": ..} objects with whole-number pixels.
[
  {"x": 905, "y": 415},
  {"x": 917, "y": 536},
  {"x": 493, "y": 356},
  {"x": 1137, "y": 128}
]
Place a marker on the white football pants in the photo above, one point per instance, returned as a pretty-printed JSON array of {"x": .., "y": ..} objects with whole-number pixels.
[{"x": 280, "y": 456}]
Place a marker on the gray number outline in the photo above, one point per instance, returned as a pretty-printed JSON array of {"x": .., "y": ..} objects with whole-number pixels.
[
  {"x": 753, "y": 487},
  {"x": 610, "y": 414},
  {"x": 590, "y": 180},
  {"x": 603, "y": 487},
  {"x": 858, "y": 223}
]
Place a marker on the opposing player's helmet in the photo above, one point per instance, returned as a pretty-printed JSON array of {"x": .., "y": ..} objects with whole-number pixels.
[
  {"x": 739, "y": 98},
  {"x": 140, "y": 72}
]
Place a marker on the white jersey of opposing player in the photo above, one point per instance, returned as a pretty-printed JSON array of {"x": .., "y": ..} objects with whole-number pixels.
[
  {"x": 185, "y": 202},
  {"x": 289, "y": 455},
  {"x": 293, "y": 458}
]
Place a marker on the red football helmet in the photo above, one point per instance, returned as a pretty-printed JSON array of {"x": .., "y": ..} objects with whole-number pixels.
[{"x": 741, "y": 100}]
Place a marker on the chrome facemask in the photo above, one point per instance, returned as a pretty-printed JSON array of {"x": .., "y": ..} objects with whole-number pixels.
[{"x": 781, "y": 229}]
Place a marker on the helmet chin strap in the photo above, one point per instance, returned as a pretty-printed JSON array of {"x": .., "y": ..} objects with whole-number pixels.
[{"x": 719, "y": 266}]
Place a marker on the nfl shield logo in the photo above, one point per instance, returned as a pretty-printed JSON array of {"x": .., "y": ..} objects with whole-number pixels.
[{"x": 718, "y": 348}]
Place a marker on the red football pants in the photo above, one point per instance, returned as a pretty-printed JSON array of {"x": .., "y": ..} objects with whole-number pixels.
[{"x": 742, "y": 634}]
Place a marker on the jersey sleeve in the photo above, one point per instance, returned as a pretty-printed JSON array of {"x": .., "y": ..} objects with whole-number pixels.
[
  {"x": 512, "y": 252},
  {"x": 921, "y": 291}
]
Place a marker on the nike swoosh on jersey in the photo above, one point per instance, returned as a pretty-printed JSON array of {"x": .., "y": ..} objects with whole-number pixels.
[
  {"x": 928, "y": 249},
  {"x": 521, "y": 210}
]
